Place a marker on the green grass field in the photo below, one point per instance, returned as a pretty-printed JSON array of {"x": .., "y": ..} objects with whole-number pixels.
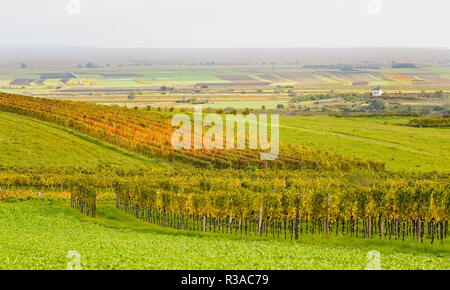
[
  {"x": 401, "y": 148},
  {"x": 29, "y": 142},
  {"x": 39, "y": 234},
  {"x": 245, "y": 104}
]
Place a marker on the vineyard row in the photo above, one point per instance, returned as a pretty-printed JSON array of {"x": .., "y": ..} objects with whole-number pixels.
[
  {"x": 150, "y": 133},
  {"x": 282, "y": 204}
]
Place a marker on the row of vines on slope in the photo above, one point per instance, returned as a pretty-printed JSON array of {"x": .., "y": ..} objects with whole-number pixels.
[
  {"x": 277, "y": 203},
  {"x": 436, "y": 122},
  {"x": 149, "y": 134}
]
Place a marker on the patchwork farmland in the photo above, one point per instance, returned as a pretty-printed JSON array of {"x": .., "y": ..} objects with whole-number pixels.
[{"x": 355, "y": 171}]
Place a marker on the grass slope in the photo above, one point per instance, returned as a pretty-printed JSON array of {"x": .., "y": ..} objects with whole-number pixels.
[
  {"x": 375, "y": 138},
  {"x": 39, "y": 234},
  {"x": 29, "y": 142}
]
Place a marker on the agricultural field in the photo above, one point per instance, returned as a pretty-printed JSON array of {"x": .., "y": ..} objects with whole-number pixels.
[
  {"x": 238, "y": 87},
  {"x": 219, "y": 76},
  {"x": 115, "y": 240},
  {"x": 86, "y": 157}
]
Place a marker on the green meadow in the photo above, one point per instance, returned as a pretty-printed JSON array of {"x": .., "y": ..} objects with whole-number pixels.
[
  {"x": 384, "y": 139},
  {"x": 29, "y": 142},
  {"x": 39, "y": 234}
]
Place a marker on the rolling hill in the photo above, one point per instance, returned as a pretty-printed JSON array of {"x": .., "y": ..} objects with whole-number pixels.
[
  {"x": 29, "y": 142},
  {"x": 383, "y": 139}
]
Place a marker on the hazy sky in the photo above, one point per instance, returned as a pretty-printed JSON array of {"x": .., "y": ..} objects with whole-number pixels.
[{"x": 225, "y": 23}]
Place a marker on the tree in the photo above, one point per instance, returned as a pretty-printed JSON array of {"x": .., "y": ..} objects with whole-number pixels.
[
  {"x": 439, "y": 94},
  {"x": 132, "y": 95},
  {"x": 90, "y": 65},
  {"x": 233, "y": 112},
  {"x": 425, "y": 111},
  {"x": 377, "y": 105},
  {"x": 23, "y": 66}
]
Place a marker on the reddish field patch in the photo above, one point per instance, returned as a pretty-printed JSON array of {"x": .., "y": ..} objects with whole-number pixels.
[
  {"x": 302, "y": 80},
  {"x": 401, "y": 77},
  {"x": 272, "y": 78}
]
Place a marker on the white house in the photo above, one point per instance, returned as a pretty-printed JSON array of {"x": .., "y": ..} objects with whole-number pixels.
[{"x": 377, "y": 92}]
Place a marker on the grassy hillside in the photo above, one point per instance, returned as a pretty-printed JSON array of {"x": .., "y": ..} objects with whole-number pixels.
[
  {"x": 29, "y": 142},
  {"x": 149, "y": 133},
  {"x": 374, "y": 138},
  {"x": 39, "y": 234}
]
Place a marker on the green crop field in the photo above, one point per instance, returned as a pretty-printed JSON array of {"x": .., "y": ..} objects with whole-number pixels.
[
  {"x": 39, "y": 235},
  {"x": 29, "y": 142},
  {"x": 383, "y": 139},
  {"x": 245, "y": 104}
]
